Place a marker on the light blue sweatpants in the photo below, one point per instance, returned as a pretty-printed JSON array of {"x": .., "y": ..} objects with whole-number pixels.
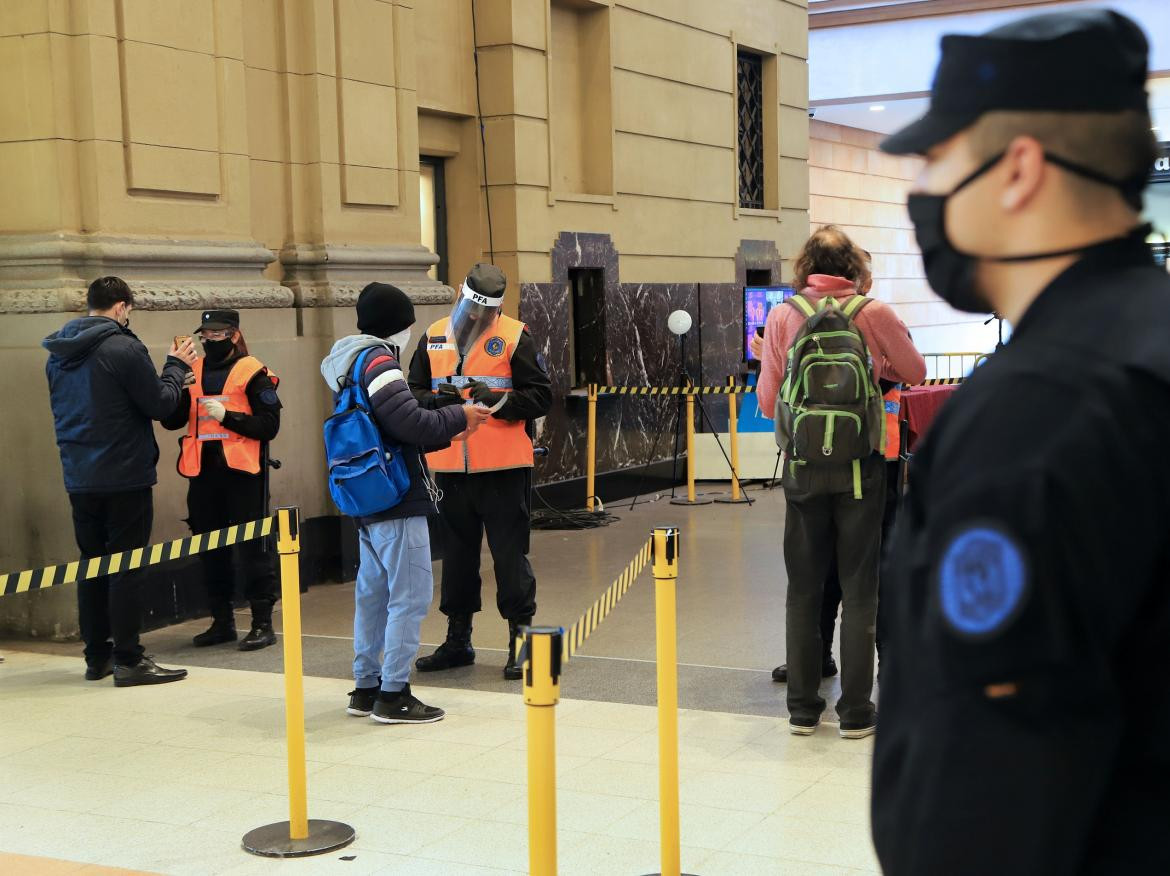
[{"x": 393, "y": 593}]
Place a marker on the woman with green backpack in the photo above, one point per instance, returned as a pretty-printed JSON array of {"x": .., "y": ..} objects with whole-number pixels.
[{"x": 825, "y": 352}]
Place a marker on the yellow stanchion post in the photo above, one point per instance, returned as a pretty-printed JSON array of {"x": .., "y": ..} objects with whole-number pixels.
[
  {"x": 737, "y": 497},
  {"x": 692, "y": 497},
  {"x": 591, "y": 450},
  {"x": 299, "y": 836},
  {"x": 665, "y": 564},
  {"x": 541, "y": 662}
]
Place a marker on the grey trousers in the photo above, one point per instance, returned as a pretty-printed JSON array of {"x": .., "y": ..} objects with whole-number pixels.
[{"x": 825, "y": 520}]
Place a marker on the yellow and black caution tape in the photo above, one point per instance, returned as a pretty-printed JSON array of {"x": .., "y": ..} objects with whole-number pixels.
[
  {"x": 152, "y": 555},
  {"x": 576, "y": 635},
  {"x": 675, "y": 390},
  {"x": 941, "y": 381}
]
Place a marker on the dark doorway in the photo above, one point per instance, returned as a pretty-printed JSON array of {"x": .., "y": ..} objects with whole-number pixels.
[
  {"x": 432, "y": 197},
  {"x": 587, "y": 300},
  {"x": 759, "y": 278}
]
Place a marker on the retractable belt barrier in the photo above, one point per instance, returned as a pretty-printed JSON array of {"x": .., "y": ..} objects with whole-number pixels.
[
  {"x": 675, "y": 390},
  {"x": 137, "y": 558},
  {"x": 543, "y": 654}
]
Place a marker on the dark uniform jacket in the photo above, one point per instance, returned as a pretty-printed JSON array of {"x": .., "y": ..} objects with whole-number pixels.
[
  {"x": 104, "y": 393},
  {"x": 1025, "y": 695}
]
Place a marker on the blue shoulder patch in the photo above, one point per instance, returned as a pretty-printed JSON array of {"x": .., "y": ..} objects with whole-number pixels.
[
  {"x": 982, "y": 581},
  {"x": 270, "y": 398},
  {"x": 541, "y": 363}
]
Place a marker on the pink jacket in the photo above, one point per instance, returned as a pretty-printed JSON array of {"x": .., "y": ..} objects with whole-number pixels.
[{"x": 894, "y": 356}]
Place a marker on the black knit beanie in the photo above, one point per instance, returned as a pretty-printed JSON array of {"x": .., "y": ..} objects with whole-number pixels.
[{"x": 383, "y": 310}]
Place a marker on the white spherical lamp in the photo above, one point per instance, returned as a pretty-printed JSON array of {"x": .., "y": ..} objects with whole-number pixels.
[{"x": 679, "y": 322}]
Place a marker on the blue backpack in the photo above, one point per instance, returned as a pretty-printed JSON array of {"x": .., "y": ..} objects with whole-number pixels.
[{"x": 366, "y": 476}]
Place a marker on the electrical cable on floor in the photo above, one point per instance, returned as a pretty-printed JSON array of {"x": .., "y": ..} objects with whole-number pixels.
[{"x": 550, "y": 518}]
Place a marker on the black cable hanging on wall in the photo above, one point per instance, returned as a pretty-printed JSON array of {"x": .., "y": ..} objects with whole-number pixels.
[{"x": 487, "y": 199}]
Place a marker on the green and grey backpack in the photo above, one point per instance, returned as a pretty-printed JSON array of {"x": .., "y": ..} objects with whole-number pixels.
[{"x": 829, "y": 411}]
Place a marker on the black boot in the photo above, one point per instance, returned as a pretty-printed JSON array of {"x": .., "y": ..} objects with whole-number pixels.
[
  {"x": 512, "y": 670},
  {"x": 261, "y": 635},
  {"x": 222, "y": 629},
  {"x": 455, "y": 651}
]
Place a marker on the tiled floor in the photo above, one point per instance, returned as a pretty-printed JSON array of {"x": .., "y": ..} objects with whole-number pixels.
[{"x": 168, "y": 779}]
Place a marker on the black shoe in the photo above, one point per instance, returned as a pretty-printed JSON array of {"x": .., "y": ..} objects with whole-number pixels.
[
  {"x": 260, "y": 636},
  {"x": 455, "y": 651},
  {"x": 145, "y": 671},
  {"x": 404, "y": 708},
  {"x": 361, "y": 701},
  {"x": 219, "y": 632},
  {"x": 859, "y": 729},
  {"x": 803, "y": 726},
  {"x": 828, "y": 670},
  {"x": 513, "y": 670},
  {"x": 98, "y": 671}
]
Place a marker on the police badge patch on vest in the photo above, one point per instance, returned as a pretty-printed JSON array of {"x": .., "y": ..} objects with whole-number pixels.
[{"x": 494, "y": 346}]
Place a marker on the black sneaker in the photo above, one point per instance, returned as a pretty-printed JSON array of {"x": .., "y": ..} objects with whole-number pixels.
[
  {"x": 145, "y": 671},
  {"x": 828, "y": 670},
  {"x": 361, "y": 701},
  {"x": 218, "y": 633},
  {"x": 803, "y": 726},
  {"x": 260, "y": 636},
  {"x": 859, "y": 729},
  {"x": 404, "y": 708},
  {"x": 98, "y": 671}
]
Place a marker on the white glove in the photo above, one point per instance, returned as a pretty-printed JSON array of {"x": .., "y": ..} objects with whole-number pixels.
[{"x": 214, "y": 408}]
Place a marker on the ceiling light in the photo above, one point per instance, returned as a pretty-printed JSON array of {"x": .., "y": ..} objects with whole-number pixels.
[{"x": 876, "y": 108}]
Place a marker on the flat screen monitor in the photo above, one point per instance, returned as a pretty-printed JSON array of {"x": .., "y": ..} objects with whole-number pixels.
[{"x": 758, "y": 301}]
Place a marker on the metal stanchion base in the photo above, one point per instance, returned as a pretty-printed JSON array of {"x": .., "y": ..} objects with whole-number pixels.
[
  {"x": 272, "y": 841},
  {"x": 728, "y": 500},
  {"x": 700, "y": 499}
]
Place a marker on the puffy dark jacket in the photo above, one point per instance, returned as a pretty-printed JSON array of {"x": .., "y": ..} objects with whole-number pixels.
[
  {"x": 104, "y": 394},
  {"x": 400, "y": 418}
]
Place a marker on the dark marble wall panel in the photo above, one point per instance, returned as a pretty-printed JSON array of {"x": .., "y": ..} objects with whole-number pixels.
[
  {"x": 721, "y": 327},
  {"x": 640, "y": 351}
]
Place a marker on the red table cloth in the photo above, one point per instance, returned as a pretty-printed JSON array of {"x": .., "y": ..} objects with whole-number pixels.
[{"x": 921, "y": 405}]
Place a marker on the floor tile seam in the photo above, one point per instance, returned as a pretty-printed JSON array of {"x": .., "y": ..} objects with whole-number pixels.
[{"x": 462, "y": 822}]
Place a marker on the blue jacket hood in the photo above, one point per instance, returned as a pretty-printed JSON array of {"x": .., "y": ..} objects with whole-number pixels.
[{"x": 78, "y": 338}]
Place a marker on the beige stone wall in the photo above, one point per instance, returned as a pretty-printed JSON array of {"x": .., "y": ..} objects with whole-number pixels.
[
  {"x": 855, "y": 185},
  {"x": 264, "y": 154},
  {"x": 672, "y": 204}
]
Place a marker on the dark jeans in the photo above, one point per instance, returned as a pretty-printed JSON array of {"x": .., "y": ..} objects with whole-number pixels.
[
  {"x": 825, "y": 520},
  {"x": 109, "y": 607},
  {"x": 495, "y": 501},
  {"x": 223, "y": 497},
  {"x": 832, "y": 599}
]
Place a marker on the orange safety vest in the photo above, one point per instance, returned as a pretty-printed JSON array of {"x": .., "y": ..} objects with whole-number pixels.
[
  {"x": 892, "y": 406},
  {"x": 497, "y": 444},
  {"x": 240, "y": 453}
]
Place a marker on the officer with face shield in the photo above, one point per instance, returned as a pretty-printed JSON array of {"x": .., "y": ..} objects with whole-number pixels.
[
  {"x": 479, "y": 353},
  {"x": 231, "y": 412},
  {"x": 1024, "y": 698}
]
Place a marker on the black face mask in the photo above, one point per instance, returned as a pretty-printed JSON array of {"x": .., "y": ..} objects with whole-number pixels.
[
  {"x": 217, "y": 351},
  {"x": 951, "y": 272}
]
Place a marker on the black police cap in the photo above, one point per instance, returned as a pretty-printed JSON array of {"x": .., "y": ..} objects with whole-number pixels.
[
  {"x": 1086, "y": 60},
  {"x": 218, "y": 320}
]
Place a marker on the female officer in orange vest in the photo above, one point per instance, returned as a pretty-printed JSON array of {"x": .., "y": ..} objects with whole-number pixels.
[
  {"x": 231, "y": 412},
  {"x": 482, "y": 354}
]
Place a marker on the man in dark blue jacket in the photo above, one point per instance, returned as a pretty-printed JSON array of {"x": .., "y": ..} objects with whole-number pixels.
[
  {"x": 394, "y": 581},
  {"x": 104, "y": 393}
]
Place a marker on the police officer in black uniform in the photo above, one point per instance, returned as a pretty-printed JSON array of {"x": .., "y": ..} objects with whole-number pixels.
[
  {"x": 222, "y": 491},
  {"x": 1026, "y": 695}
]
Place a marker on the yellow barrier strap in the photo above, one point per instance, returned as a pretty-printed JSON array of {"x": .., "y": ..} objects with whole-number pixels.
[
  {"x": 675, "y": 390},
  {"x": 941, "y": 381},
  {"x": 95, "y": 567},
  {"x": 576, "y": 635}
]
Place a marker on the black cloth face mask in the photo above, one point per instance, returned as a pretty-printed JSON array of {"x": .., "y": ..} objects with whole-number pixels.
[
  {"x": 219, "y": 351},
  {"x": 950, "y": 271}
]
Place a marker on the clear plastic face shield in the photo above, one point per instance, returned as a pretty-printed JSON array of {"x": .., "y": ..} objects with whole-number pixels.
[{"x": 472, "y": 315}]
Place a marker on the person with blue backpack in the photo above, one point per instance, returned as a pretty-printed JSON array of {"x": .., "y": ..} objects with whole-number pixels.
[{"x": 375, "y": 444}]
